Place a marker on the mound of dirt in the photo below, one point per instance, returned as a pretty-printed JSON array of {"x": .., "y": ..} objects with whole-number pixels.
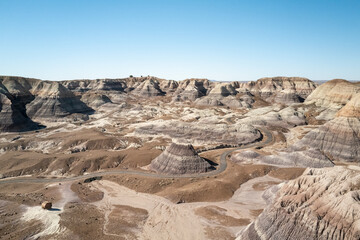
[{"x": 180, "y": 158}]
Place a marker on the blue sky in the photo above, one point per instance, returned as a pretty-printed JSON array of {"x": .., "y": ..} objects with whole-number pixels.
[{"x": 220, "y": 40}]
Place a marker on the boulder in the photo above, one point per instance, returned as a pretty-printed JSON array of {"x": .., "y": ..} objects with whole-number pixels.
[{"x": 46, "y": 205}]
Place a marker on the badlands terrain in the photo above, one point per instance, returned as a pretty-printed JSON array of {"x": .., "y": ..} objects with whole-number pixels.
[{"x": 149, "y": 158}]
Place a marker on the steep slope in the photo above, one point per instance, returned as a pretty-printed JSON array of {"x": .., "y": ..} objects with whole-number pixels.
[
  {"x": 13, "y": 113},
  {"x": 169, "y": 86},
  {"x": 335, "y": 93},
  {"x": 331, "y": 96},
  {"x": 191, "y": 89},
  {"x": 320, "y": 204},
  {"x": 94, "y": 99},
  {"x": 180, "y": 158},
  {"x": 148, "y": 88},
  {"x": 352, "y": 108},
  {"x": 44, "y": 100},
  {"x": 53, "y": 101},
  {"x": 339, "y": 138}
]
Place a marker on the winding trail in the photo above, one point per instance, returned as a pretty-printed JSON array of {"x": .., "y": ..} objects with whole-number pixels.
[{"x": 223, "y": 165}]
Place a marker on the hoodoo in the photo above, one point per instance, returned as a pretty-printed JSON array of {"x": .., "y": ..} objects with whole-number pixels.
[{"x": 180, "y": 158}]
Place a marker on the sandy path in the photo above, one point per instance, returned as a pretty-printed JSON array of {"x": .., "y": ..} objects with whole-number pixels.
[{"x": 167, "y": 220}]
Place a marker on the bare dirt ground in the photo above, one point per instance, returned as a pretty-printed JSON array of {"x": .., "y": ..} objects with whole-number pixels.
[
  {"x": 129, "y": 206},
  {"x": 109, "y": 210}
]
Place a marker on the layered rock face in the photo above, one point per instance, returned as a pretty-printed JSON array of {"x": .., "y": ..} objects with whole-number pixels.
[
  {"x": 142, "y": 86},
  {"x": 43, "y": 100},
  {"x": 118, "y": 85},
  {"x": 53, "y": 101},
  {"x": 169, "y": 86},
  {"x": 339, "y": 138},
  {"x": 180, "y": 158},
  {"x": 320, "y": 204},
  {"x": 59, "y": 101},
  {"x": 149, "y": 88},
  {"x": 203, "y": 92},
  {"x": 13, "y": 113},
  {"x": 280, "y": 89},
  {"x": 95, "y": 100},
  {"x": 191, "y": 89},
  {"x": 333, "y": 94},
  {"x": 352, "y": 108},
  {"x": 225, "y": 94}
]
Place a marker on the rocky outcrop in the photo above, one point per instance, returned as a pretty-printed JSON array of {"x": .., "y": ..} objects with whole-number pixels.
[
  {"x": 53, "y": 101},
  {"x": 180, "y": 158},
  {"x": 13, "y": 114},
  {"x": 169, "y": 86},
  {"x": 235, "y": 94},
  {"x": 191, "y": 89},
  {"x": 117, "y": 85},
  {"x": 202, "y": 91},
  {"x": 148, "y": 88},
  {"x": 44, "y": 100},
  {"x": 330, "y": 97},
  {"x": 333, "y": 94},
  {"x": 225, "y": 94},
  {"x": 339, "y": 139},
  {"x": 284, "y": 90},
  {"x": 352, "y": 108},
  {"x": 320, "y": 204},
  {"x": 95, "y": 100},
  {"x": 59, "y": 101}
]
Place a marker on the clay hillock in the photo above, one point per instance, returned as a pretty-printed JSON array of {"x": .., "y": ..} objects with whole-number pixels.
[
  {"x": 149, "y": 88},
  {"x": 180, "y": 158},
  {"x": 339, "y": 138}
]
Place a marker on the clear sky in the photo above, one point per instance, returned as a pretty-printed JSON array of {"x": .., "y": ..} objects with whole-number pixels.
[{"x": 220, "y": 40}]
